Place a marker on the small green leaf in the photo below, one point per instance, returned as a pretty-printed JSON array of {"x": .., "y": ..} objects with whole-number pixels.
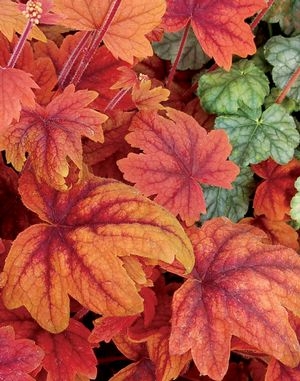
[
  {"x": 290, "y": 104},
  {"x": 231, "y": 203},
  {"x": 192, "y": 56},
  {"x": 223, "y": 92},
  {"x": 295, "y": 203},
  {"x": 284, "y": 54},
  {"x": 256, "y": 137},
  {"x": 286, "y": 12}
]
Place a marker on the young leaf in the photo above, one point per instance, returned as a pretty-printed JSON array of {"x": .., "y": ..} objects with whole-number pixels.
[
  {"x": 232, "y": 203},
  {"x": 178, "y": 155},
  {"x": 273, "y": 196},
  {"x": 284, "y": 54},
  {"x": 18, "y": 357},
  {"x": 218, "y": 25},
  {"x": 256, "y": 136},
  {"x": 78, "y": 250},
  {"x": 238, "y": 287},
  {"x": 52, "y": 135},
  {"x": 125, "y": 37},
  {"x": 15, "y": 92},
  {"x": 147, "y": 98},
  {"x": 192, "y": 56},
  {"x": 224, "y": 92}
]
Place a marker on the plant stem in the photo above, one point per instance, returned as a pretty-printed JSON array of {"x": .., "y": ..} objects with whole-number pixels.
[
  {"x": 179, "y": 53},
  {"x": 98, "y": 37},
  {"x": 116, "y": 99},
  {"x": 261, "y": 14},
  {"x": 288, "y": 86},
  {"x": 72, "y": 58},
  {"x": 20, "y": 45}
]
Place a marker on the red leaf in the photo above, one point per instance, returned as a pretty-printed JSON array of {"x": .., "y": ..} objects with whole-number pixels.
[
  {"x": 238, "y": 287},
  {"x": 78, "y": 251},
  {"x": 274, "y": 194},
  {"x": 15, "y": 92},
  {"x": 218, "y": 25},
  {"x": 53, "y": 134},
  {"x": 18, "y": 357},
  {"x": 178, "y": 155},
  {"x": 141, "y": 370}
]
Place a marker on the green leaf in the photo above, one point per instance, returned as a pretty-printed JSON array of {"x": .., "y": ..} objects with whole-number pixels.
[
  {"x": 286, "y": 13},
  {"x": 231, "y": 203},
  {"x": 256, "y": 136},
  {"x": 295, "y": 203},
  {"x": 284, "y": 54},
  {"x": 192, "y": 56},
  {"x": 223, "y": 92},
  {"x": 290, "y": 104}
]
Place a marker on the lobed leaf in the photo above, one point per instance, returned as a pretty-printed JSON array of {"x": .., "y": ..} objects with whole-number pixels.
[
  {"x": 224, "y": 92},
  {"x": 284, "y": 54},
  {"x": 240, "y": 287},
  {"x": 256, "y": 136},
  {"x": 78, "y": 250}
]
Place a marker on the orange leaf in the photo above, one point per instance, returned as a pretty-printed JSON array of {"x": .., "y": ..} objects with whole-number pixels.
[
  {"x": 18, "y": 357},
  {"x": 15, "y": 92},
  {"x": 274, "y": 194},
  {"x": 141, "y": 370},
  {"x": 238, "y": 287},
  {"x": 146, "y": 98},
  {"x": 218, "y": 25},
  {"x": 178, "y": 155},
  {"x": 125, "y": 37},
  {"x": 53, "y": 134},
  {"x": 78, "y": 250}
]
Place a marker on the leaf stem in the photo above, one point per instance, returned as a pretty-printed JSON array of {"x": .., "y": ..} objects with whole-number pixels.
[
  {"x": 116, "y": 99},
  {"x": 179, "y": 53},
  {"x": 261, "y": 14},
  {"x": 98, "y": 37},
  {"x": 288, "y": 86},
  {"x": 72, "y": 58},
  {"x": 20, "y": 45}
]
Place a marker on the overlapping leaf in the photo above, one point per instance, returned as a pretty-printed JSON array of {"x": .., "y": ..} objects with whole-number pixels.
[
  {"x": 218, "y": 25},
  {"x": 178, "y": 155},
  {"x": 78, "y": 250},
  {"x": 224, "y": 92},
  {"x": 295, "y": 203},
  {"x": 273, "y": 196},
  {"x": 238, "y": 287},
  {"x": 52, "y": 135},
  {"x": 255, "y": 136},
  {"x": 18, "y": 357},
  {"x": 125, "y": 37},
  {"x": 284, "y": 54}
]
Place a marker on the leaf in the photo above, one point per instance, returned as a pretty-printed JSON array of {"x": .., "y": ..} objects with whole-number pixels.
[
  {"x": 255, "y": 136},
  {"x": 78, "y": 250},
  {"x": 12, "y": 20},
  {"x": 18, "y": 357},
  {"x": 15, "y": 92},
  {"x": 52, "y": 135},
  {"x": 295, "y": 203},
  {"x": 232, "y": 203},
  {"x": 218, "y": 25},
  {"x": 284, "y": 12},
  {"x": 192, "y": 56},
  {"x": 284, "y": 54},
  {"x": 273, "y": 196},
  {"x": 178, "y": 155},
  {"x": 125, "y": 37},
  {"x": 238, "y": 287},
  {"x": 147, "y": 98},
  {"x": 141, "y": 370},
  {"x": 224, "y": 92}
]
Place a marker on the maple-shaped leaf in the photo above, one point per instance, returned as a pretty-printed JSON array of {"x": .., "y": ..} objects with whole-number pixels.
[
  {"x": 218, "y": 25},
  {"x": 147, "y": 98},
  {"x": 178, "y": 155},
  {"x": 51, "y": 135},
  {"x": 224, "y": 92},
  {"x": 126, "y": 35},
  {"x": 255, "y": 136},
  {"x": 78, "y": 250},
  {"x": 232, "y": 203},
  {"x": 284, "y": 54},
  {"x": 140, "y": 370},
  {"x": 239, "y": 287},
  {"x": 273, "y": 196},
  {"x": 15, "y": 92},
  {"x": 192, "y": 56},
  {"x": 18, "y": 357}
]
